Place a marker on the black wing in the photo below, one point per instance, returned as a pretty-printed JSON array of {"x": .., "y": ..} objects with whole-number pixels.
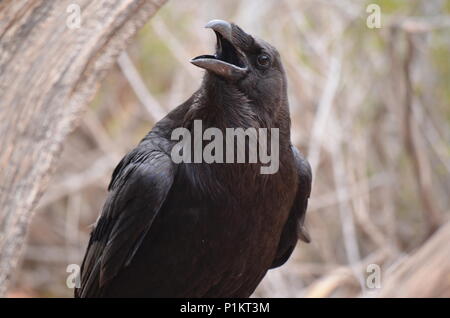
[
  {"x": 294, "y": 228},
  {"x": 139, "y": 187}
]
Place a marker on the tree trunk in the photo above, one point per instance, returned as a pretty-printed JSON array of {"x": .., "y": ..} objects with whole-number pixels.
[
  {"x": 49, "y": 71},
  {"x": 426, "y": 273}
]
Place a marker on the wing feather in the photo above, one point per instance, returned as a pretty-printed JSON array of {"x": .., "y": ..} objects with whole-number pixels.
[
  {"x": 294, "y": 228},
  {"x": 138, "y": 189}
]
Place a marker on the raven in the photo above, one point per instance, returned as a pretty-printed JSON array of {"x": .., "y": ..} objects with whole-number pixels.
[{"x": 204, "y": 229}]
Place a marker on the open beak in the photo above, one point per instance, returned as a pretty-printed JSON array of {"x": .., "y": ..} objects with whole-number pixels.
[{"x": 229, "y": 61}]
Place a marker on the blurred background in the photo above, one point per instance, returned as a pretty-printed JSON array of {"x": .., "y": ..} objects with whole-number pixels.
[{"x": 370, "y": 108}]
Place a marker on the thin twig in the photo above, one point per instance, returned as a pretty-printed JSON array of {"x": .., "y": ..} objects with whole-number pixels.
[
  {"x": 151, "y": 105},
  {"x": 431, "y": 213}
]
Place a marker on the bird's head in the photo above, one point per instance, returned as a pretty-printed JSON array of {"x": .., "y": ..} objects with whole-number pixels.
[{"x": 251, "y": 65}]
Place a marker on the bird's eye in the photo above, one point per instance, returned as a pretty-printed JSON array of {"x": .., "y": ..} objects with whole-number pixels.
[{"x": 263, "y": 60}]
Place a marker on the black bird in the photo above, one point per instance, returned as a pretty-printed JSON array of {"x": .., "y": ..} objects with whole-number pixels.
[{"x": 198, "y": 229}]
